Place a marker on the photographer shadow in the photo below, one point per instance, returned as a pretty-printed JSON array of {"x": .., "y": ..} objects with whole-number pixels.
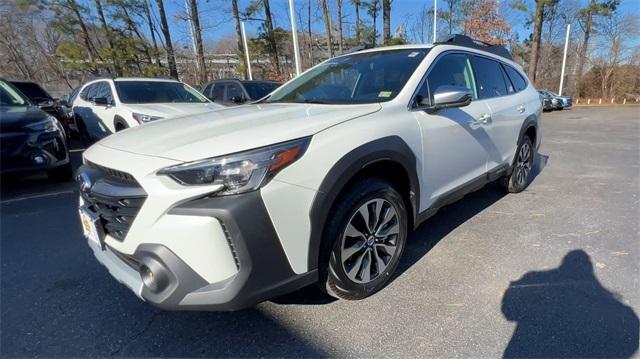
[{"x": 566, "y": 312}]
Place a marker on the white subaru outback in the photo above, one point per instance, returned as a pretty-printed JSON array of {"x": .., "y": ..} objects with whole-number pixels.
[{"x": 320, "y": 182}]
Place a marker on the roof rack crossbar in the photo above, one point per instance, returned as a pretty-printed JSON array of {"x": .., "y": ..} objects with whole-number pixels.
[{"x": 466, "y": 41}]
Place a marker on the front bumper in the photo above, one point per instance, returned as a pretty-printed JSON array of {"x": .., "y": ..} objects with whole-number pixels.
[
  {"x": 205, "y": 253},
  {"x": 29, "y": 152}
]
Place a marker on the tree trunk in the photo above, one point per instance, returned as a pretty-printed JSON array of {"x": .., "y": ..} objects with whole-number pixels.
[
  {"x": 535, "y": 44},
  {"x": 105, "y": 29},
  {"x": 582, "y": 57},
  {"x": 171, "y": 57},
  {"x": 327, "y": 25},
  {"x": 197, "y": 37},
  {"x": 241, "y": 50},
  {"x": 85, "y": 33},
  {"x": 272, "y": 40},
  {"x": 356, "y": 3},
  {"x": 386, "y": 21},
  {"x": 310, "y": 34},
  {"x": 340, "y": 40},
  {"x": 375, "y": 23},
  {"x": 147, "y": 11}
]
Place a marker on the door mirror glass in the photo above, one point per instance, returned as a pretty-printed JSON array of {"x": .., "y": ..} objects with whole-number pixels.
[{"x": 447, "y": 96}]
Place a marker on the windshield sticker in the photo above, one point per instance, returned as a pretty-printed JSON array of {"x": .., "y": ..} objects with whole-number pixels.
[
  {"x": 384, "y": 94},
  {"x": 414, "y": 54}
]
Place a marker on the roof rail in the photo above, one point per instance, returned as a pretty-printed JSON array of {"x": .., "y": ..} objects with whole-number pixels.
[{"x": 466, "y": 41}]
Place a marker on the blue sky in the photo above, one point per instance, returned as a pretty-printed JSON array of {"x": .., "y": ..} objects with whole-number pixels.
[{"x": 215, "y": 15}]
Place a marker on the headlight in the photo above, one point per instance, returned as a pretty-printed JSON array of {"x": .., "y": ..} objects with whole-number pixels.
[
  {"x": 240, "y": 172},
  {"x": 144, "y": 118},
  {"x": 48, "y": 125}
]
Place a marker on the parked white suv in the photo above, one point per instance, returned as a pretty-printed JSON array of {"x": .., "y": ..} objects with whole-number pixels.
[
  {"x": 107, "y": 106},
  {"x": 318, "y": 183}
]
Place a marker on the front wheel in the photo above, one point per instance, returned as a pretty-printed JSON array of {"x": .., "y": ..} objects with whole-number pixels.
[
  {"x": 367, "y": 231},
  {"x": 522, "y": 167}
]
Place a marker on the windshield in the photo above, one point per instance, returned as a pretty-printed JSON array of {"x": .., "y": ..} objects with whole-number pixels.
[
  {"x": 258, "y": 90},
  {"x": 157, "y": 92},
  {"x": 10, "y": 97},
  {"x": 359, "y": 78},
  {"x": 33, "y": 91}
]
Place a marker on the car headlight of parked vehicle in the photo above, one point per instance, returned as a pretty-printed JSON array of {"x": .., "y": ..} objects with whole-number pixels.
[
  {"x": 50, "y": 124},
  {"x": 141, "y": 118},
  {"x": 239, "y": 172}
]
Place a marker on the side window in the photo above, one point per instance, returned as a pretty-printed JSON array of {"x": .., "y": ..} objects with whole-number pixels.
[
  {"x": 218, "y": 92},
  {"x": 450, "y": 70},
  {"x": 86, "y": 91},
  {"x": 489, "y": 75},
  {"x": 104, "y": 90},
  {"x": 516, "y": 79},
  {"x": 207, "y": 90},
  {"x": 510, "y": 88},
  {"x": 91, "y": 91},
  {"x": 233, "y": 90}
]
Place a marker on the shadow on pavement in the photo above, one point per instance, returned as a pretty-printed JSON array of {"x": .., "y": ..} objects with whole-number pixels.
[
  {"x": 566, "y": 312},
  {"x": 429, "y": 233}
]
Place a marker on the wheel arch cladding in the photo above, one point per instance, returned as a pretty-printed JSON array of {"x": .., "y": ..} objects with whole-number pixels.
[
  {"x": 530, "y": 128},
  {"x": 381, "y": 158}
]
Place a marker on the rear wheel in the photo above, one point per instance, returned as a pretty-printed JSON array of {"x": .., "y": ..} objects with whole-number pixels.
[
  {"x": 522, "y": 167},
  {"x": 366, "y": 235}
]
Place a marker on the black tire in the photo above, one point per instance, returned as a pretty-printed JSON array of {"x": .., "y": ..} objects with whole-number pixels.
[
  {"x": 334, "y": 278},
  {"x": 61, "y": 173},
  {"x": 522, "y": 168}
]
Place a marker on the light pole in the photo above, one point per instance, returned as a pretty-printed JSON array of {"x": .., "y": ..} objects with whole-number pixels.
[
  {"x": 246, "y": 49},
  {"x": 564, "y": 58},
  {"x": 294, "y": 34}
]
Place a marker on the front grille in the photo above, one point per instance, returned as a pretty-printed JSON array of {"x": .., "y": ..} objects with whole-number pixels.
[
  {"x": 116, "y": 197},
  {"x": 113, "y": 174}
]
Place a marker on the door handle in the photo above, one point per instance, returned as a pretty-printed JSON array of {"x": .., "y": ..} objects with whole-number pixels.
[
  {"x": 484, "y": 119},
  {"x": 521, "y": 109}
]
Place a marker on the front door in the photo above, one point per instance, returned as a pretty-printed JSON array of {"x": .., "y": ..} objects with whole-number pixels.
[{"x": 455, "y": 141}]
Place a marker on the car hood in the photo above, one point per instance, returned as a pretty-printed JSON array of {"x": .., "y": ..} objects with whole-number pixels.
[
  {"x": 169, "y": 110},
  {"x": 232, "y": 129},
  {"x": 14, "y": 118}
]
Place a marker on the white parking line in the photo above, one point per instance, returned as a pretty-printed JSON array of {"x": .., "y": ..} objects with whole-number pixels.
[{"x": 41, "y": 195}]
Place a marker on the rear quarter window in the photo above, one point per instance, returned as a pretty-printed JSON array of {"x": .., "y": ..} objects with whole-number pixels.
[{"x": 516, "y": 79}]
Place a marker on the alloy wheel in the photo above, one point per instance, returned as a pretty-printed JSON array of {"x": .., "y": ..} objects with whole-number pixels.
[
  {"x": 523, "y": 164},
  {"x": 369, "y": 241}
]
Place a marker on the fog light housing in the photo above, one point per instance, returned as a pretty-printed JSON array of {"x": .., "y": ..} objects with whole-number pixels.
[
  {"x": 154, "y": 276},
  {"x": 38, "y": 159}
]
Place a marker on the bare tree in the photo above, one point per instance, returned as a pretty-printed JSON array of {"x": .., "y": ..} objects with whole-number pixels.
[
  {"x": 241, "y": 49},
  {"x": 327, "y": 25},
  {"x": 535, "y": 43},
  {"x": 271, "y": 36},
  {"x": 147, "y": 12},
  {"x": 386, "y": 21},
  {"x": 197, "y": 37},
  {"x": 594, "y": 8},
  {"x": 171, "y": 57},
  {"x": 340, "y": 38},
  {"x": 356, "y": 5}
]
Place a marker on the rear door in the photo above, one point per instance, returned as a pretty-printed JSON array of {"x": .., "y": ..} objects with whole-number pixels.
[
  {"x": 106, "y": 113},
  {"x": 496, "y": 89},
  {"x": 455, "y": 141}
]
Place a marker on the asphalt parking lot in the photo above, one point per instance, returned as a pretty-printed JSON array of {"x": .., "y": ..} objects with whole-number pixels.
[{"x": 553, "y": 271}]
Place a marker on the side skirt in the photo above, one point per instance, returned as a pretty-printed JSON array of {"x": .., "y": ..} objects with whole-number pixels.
[{"x": 458, "y": 193}]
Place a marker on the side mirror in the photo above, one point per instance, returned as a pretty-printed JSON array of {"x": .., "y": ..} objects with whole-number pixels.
[
  {"x": 447, "y": 96},
  {"x": 100, "y": 101},
  {"x": 237, "y": 99}
]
